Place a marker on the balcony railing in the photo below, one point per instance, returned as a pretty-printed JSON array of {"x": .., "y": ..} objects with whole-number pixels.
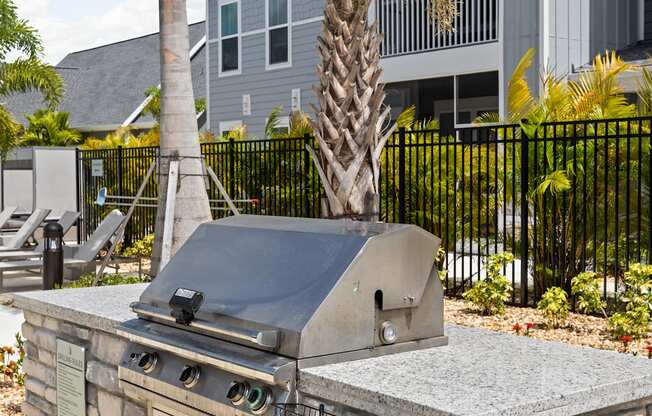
[{"x": 408, "y": 28}]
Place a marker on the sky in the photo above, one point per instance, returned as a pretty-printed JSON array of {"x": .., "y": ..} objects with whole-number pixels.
[{"x": 67, "y": 26}]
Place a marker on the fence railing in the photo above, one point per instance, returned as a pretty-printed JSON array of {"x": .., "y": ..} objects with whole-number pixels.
[
  {"x": 562, "y": 197},
  {"x": 407, "y": 28}
]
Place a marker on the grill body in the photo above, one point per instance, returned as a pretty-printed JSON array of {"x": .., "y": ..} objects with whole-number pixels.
[{"x": 275, "y": 295}]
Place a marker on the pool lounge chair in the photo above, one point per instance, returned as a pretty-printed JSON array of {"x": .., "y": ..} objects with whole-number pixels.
[
  {"x": 85, "y": 255},
  {"x": 67, "y": 220},
  {"x": 29, "y": 227},
  {"x": 5, "y": 215}
]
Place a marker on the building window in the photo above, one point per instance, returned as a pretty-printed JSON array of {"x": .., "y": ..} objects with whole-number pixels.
[
  {"x": 278, "y": 33},
  {"x": 229, "y": 37}
]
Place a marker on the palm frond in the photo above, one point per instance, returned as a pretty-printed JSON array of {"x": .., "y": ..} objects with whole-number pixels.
[
  {"x": 31, "y": 74},
  {"x": 519, "y": 95},
  {"x": 645, "y": 91},
  {"x": 555, "y": 183},
  {"x": 598, "y": 92},
  {"x": 9, "y": 129},
  {"x": 271, "y": 125},
  {"x": 407, "y": 117}
]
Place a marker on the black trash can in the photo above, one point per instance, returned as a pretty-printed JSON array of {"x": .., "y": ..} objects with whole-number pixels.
[{"x": 52, "y": 256}]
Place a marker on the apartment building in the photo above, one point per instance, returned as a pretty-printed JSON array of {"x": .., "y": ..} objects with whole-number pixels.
[{"x": 262, "y": 53}]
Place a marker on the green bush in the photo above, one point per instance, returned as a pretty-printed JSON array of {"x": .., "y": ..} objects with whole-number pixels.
[
  {"x": 637, "y": 300},
  {"x": 586, "y": 288},
  {"x": 141, "y": 248},
  {"x": 554, "y": 305},
  {"x": 108, "y": 280},
  {"x": 490, "y": 295}
]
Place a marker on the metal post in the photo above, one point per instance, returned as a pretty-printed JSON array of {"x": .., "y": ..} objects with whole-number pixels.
[
  {"x": 52, "y": 256},
  {"x": 79, "y": 193},
  {"x": 524, "y": 216},
  {"x": 401, "y": 176},
  {"x": 307, "y": 141},
  {"x": 231, "y": 167}
]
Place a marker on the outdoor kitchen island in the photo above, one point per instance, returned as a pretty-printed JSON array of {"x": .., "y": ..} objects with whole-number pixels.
[{"x": 478, "y": 373}]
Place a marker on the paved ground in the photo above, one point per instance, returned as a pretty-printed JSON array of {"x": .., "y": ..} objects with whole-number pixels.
[{"x": 10, "y": 321}]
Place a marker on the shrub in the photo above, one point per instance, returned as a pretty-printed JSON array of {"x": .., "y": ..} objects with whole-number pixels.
[
  {"x": 141, "y": 248},
  {"x": 554, "y": 305},
  {"x": 490, "y": 295},
  {"x": 585, "y": 286},
  {"x": 635, "y": 320},
  {"x": 108, "y": 280}
]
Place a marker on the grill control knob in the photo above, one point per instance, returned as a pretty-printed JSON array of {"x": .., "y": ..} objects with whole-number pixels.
[
  {"x": 238, "y": 392},
  {"x": 259, "y": 400},
  {"x": 190, "y": 376},
  {"x": 147, "y": 361}
]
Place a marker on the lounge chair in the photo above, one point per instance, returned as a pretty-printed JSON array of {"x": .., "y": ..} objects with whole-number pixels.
[
  {"x": 67, "y": 220},
  {"x": 18, "y": 240},
  {"x": 85, "y": 255},
  {"x": 5, "y": 216}
]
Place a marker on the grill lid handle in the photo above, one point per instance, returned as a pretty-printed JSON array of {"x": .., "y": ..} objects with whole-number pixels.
[{"x": 185, "y": 303}]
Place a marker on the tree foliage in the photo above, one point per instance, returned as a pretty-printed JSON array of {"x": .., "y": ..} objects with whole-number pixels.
[
  {"x": 24, "y": 74},
  {"x": 49, "y": 128}
]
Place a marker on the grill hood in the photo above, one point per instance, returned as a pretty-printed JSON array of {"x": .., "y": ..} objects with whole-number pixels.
[{"x": 303, "y": 288}]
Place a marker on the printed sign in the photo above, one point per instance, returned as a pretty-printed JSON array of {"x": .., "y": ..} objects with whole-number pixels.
[
  {"x": 97, "y": 167},
  {"x": 71, "y": 379}
]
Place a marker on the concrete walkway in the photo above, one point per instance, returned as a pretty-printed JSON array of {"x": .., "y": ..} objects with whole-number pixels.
[{"x": 10, "y": 321}]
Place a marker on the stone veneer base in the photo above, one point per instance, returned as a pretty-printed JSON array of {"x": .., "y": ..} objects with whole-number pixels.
[{"x": 478, "y": 373}]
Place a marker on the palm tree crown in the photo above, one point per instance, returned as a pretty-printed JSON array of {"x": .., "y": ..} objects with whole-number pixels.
[{"x": 26, "y": 73}]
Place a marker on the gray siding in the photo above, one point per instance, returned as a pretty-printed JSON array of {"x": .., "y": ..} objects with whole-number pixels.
[
  {"x": 521, "y": 34},
  {"x": 267, "y": 88},
  {"x": 569, "y": 34}
]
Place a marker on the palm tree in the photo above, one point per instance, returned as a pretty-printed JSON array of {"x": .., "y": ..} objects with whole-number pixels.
[
  {"x": 179, "y": 133},
  {"x": 49, "y": 128},
  {"x": 26, "y": 73},
  {"x": 352, "y": 122}
]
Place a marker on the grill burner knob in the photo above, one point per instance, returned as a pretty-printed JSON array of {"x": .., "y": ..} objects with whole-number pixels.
[
  {"x": 259, "y": 400},
  {"x": 238, "y": 392},
  {"x": 388, "y": 333},
  {"x": 147, "y": 361},
  {"x": 190, "y": 376}
]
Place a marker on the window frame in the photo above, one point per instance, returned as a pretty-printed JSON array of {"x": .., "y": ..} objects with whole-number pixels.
[
  {"x": 237, "y": 35},
  {"x": 268, "y": 29}
]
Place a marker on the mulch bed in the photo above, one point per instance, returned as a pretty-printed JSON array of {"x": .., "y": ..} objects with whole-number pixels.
[
  {"x": 580, "y": 330},
  {"x": 11, "y": 396}
]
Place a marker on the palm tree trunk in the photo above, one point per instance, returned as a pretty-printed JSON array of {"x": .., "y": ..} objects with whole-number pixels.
[
  {"x": 179, "y": 133},
  {"x": 351, "y": 126}
]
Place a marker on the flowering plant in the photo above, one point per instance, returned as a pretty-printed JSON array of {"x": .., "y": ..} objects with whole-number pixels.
[{"x": 11, "y": 366}]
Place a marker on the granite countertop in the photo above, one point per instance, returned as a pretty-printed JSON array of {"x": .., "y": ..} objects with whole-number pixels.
[
  {"x": 94, "y": 307},
  {"x": 486, "y": 373},
  {"x": 479, "y": 373}
]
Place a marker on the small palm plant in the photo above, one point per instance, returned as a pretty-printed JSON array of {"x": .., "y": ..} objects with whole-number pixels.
[{"x": 49, "y": 128}]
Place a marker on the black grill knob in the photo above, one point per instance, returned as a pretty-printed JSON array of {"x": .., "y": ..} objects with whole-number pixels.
[
  {"x": 190, "y": 375},
  {"x": 259, "y": 400},
  {"x": 147, "y": 361},
  {"x": 238, "y": 392}
]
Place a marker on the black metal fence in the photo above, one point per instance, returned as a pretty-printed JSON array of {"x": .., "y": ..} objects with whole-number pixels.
[{"x": 563, "y": 197}]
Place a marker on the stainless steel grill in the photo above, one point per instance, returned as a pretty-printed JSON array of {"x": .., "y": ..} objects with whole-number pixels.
[{"x": 249, "y": 300}]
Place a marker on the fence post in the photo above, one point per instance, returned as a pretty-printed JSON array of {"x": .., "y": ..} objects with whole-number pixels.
[
  {"x": 307, "y": 141},
  {"x": 78, "y": 193},
  {"x": 232, "y": 168},
  {"x": 401, "y": 176},
  {"x": 525, "y": 249}
]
